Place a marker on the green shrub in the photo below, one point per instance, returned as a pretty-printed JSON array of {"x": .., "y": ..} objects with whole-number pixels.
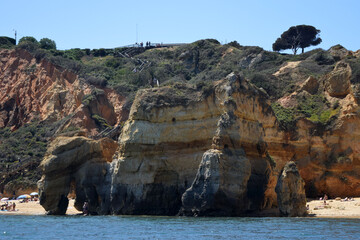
[
  {"x": 28, "y": 40},
  {"x": 234, "y": 44},
  {"x": 66, "y": 63},
  {"x": 28, "y": 46},
  {"x": 22, "y": 150},
  {"x": 47, "y": 44},
  {"x": 317, "y": 109},
  {"x": 6, "y": 42},
  {"x": 285, "y": 116},
  {"x": 100, "y": 121},
  {"x": 75, "y": 53}
]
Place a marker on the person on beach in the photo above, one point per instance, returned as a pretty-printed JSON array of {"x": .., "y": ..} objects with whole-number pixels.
[
  {"x": 325, "y": 198},
  {"x": 86, "y": 208},
  {"x": 13, "y": 206}
]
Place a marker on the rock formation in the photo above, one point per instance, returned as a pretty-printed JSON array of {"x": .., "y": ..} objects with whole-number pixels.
[
  {"x": 80, "y": 163},
  {"x": 216, "y": 151},
  {"x": 31, "y": 89},
  {"x": 311, "y": 85},
  {"x": 220, "y": 186},
  {"x": 338, "y": 81},
  {"x": 291, "y": 192}
]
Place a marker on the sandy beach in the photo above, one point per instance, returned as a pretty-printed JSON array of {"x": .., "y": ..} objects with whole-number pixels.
[
  {"x": 332, "y": 209},
  {"x": 34, "y": 208},
  {"x": 335, "y": 208}
]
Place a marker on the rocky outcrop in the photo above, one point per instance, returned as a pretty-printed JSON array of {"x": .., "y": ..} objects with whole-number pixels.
[
  {"x": 220, "y": 186},
  {"x": 338, "y": 81},
  {"x": 291, "y": 192},
  {"x": 79, "y": 163},
  {"x": 221, "y": 151},
  {"x": 173, "y": 137},
  {"x": 311, "y": 85},
  {"x": 34, "y": 91},
  {"x": 37, "y": 89},
  {"x": 161, "y": 146},
  {"x": 338, "y": 52}
]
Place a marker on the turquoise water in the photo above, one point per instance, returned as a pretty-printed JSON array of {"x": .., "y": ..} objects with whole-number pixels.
[{"x": 145, "y": 227}]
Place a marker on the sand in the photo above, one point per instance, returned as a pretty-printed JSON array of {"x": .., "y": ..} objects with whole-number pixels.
[
  {"x": 335, "y": 208},
  {"x": 34, "y": 208},
  {"x": 332, "y": 209}
]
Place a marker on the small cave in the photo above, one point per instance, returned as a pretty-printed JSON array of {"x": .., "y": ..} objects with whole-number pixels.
[{"x": 173, "y": 120}]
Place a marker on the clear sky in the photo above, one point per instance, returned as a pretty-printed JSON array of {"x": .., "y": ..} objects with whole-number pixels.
[{"x": 110, "y": 23}]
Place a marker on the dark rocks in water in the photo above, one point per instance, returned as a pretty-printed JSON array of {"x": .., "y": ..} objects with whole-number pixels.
[{"x": 291, "y": 192}]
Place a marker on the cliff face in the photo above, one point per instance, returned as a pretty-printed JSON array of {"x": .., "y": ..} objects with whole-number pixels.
[
  {"x": 31, "y": 89},
  {"x": 80, "y": 165},
  {"x": 218, "y": 151},
  {"x": 327, "y": 154},
  {"x": 161, "y": 146},
  {"x": 163, "y": 143},
  {"x": 43, "y": 100}
]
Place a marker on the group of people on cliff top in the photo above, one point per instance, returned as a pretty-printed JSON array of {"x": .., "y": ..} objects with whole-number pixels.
[{"x": 148, "y": 44}]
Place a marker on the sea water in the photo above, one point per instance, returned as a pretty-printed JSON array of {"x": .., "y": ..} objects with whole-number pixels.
[{"x": 147, "y": 227}]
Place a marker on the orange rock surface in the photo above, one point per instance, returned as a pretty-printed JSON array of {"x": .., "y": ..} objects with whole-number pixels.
[{"x": 31, "y": 89}]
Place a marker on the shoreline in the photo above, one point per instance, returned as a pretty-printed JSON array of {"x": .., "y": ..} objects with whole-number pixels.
[
  {"x": 317, "y": 209},
  {"x": 34, "y": 208}
]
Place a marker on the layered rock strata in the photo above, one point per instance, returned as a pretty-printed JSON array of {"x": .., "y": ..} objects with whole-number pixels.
[{"x": 221, "y": 152}]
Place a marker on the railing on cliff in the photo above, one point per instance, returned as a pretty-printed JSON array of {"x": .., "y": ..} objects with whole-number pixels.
[
  {"x": 132, "y": 49},
  {"x": 109, "y": 132}
]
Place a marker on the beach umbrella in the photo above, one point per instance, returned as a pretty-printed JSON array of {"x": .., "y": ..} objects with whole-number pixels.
[
  {"x": 34, "y": 194},
  {"x": 23, "y": 196},
  {"x": 4, "y": 199}
]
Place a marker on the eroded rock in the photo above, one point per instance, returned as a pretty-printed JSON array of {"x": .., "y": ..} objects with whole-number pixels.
[
  {"x": 291, "y": 192},
  {"x": 338, "y": 81},
  {"x": 79, "y": 162},
  {"x": 219, "y": 188},
  {"x": 311, "y": 85},
  {"x": 162, "y": 145},
  {"x": 31, "y": 89}
]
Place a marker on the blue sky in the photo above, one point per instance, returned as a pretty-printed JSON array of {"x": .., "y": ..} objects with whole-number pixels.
[{"x": 110, "y": 23}]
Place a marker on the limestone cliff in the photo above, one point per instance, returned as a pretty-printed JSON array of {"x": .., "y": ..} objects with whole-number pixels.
[
  {"x": 220, "y": 150},
  {"x": 326, "y": 153},
  {"x": 163, "y": 143},
  {"x": 81, "y": 164}
]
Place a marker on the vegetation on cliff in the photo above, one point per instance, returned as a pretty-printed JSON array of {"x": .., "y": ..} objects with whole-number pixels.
[
  {"x": 187, "y": 73},
  {"x": 21, "y": 152},
  {"x": 300, "y": 36}
]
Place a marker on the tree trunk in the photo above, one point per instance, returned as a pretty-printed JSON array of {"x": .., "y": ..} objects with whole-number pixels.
[{"x": 302, "y": 51}]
